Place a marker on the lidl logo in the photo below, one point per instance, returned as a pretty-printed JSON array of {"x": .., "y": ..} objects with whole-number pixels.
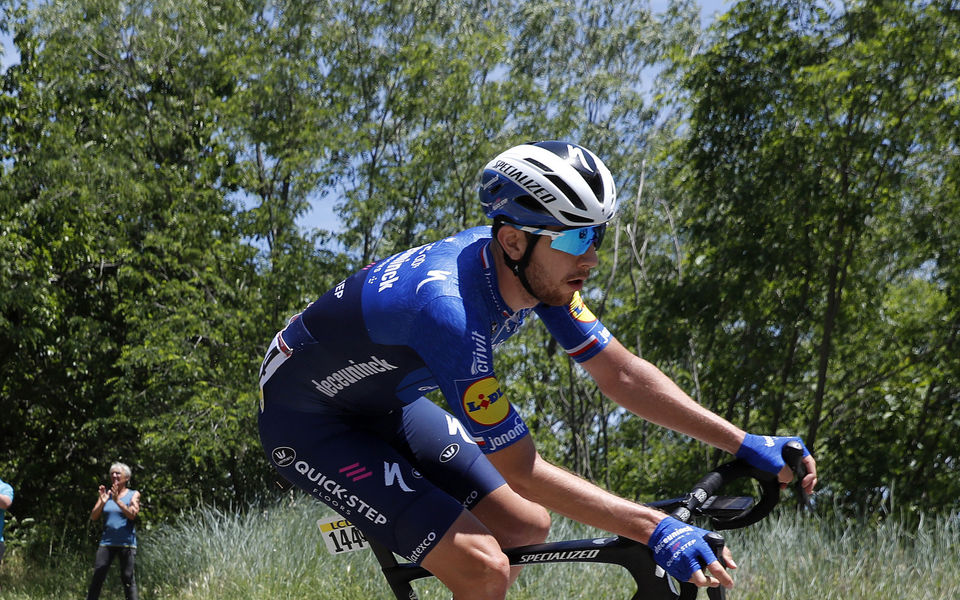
[
  {"x": 580, "y": 311},
  {"x": 484, "y": 403}
]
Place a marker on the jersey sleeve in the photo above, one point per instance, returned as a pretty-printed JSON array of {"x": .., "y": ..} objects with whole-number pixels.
[
  {"x": 575, "y": 328},
  {"x": 459, "y": 353}
]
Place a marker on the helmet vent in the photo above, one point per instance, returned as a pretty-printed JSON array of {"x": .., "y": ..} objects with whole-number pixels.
[
  {"x": 539, "y": 165},
  {"x": 596, "y": 184},
  {"x": 531, "y": 204},
  {"x": 567, "y": 191},
  {"x": 576, "y": 218}
]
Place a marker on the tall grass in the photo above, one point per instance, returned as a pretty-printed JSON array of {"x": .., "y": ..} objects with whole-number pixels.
[
  {"x": 278, "y": 554},
  {"x": 789, "y": 558}
]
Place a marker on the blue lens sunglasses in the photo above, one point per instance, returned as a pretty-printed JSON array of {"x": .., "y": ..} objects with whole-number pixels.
[{"x": 572, "y": 241}]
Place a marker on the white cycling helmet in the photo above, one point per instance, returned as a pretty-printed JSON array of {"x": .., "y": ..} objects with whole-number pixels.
[{"x": 548, "y": 183}]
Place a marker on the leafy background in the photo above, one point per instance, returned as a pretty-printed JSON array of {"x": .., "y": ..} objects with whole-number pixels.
[{"x": 787, "y": 247}]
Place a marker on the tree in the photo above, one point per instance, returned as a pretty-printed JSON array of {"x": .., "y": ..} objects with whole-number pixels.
[
  {"x": 136, "y": 308},
  {"x": 808, "y": 136}
]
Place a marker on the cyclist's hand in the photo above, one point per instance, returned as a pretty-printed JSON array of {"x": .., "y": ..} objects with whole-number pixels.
[
  {"x": 683, "y": 552},
  {"x": 766, "y": 453}
]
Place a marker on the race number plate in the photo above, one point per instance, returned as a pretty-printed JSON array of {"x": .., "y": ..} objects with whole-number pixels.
[{"x": 341, "y": 536}]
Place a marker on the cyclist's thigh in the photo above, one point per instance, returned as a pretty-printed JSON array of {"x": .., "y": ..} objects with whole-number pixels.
[
  {"x": 445, "y": 453},
  {"x": 350, "y": 465},
  {"x": 448, "y": 456}
]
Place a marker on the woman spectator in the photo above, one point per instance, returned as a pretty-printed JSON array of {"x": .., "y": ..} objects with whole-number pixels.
[{"x": 120, "y": 507}]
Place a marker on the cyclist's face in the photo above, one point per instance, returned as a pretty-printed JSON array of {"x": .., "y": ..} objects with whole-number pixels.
[{"x": 555, "y": 275}]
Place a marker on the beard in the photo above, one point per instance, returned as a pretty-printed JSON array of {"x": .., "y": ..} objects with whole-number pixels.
[{"x": 546, "y": 292}]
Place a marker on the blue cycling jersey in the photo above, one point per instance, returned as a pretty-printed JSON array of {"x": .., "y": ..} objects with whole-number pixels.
[
  {"x": 343, "y": 413},
  {"x": 421, "y": 319}
]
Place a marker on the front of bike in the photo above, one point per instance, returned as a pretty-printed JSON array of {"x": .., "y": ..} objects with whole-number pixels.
[
  {"x": 702, "y": 503},
  {"x": 721, "y": 513}
]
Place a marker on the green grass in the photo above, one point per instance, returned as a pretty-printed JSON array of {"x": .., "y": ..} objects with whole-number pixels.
[
  {"x": 834, "y": 561},
  {"x": 278, "y": 554}
]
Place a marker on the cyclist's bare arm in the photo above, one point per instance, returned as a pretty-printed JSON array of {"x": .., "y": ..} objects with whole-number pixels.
[
  {"x": 644, "y": 390},
  {"x": 567, "y": 494}
]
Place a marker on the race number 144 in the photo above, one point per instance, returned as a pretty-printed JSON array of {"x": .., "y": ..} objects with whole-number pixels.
[{"x": 341, "y": 536}]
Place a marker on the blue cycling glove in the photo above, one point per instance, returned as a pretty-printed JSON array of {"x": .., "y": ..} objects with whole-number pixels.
[
  {"x": 766, "y": 452},
  {"x": 680, "y": 548}
]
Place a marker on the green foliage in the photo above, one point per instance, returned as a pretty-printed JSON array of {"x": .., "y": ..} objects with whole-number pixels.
[
  {"x": 810, "y": 301},
  {"x": 787, "y": 247},
  {"x": 419, "y": 97},
  {"x": 136, "y": 307}
]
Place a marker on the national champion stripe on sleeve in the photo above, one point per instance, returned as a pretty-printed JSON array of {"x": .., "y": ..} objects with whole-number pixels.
[{"x": 584, "y": 347}]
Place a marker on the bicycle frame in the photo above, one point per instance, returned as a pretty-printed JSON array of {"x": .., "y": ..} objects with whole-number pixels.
[
  {"x": 724, "y": 512},
  {"x": 652, "y": 582}
]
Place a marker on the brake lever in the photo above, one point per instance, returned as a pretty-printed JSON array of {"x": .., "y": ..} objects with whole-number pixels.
[
  {"x": 716, "y": 543},
  {"x": 793, "y": 456}
]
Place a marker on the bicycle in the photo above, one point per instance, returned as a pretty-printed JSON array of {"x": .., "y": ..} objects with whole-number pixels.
[{"x": 723, "y": 513}]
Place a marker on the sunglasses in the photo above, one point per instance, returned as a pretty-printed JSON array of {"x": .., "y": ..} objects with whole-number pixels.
[{"x": 572, "y": 241}]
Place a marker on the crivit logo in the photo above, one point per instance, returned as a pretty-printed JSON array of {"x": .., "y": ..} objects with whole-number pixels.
[
  {"x": 450, "y": 452},
  {"x": 338, "y": 497},
  {"x": 283, "y": 456},
  {"x": 484, "y": 403},
  {"x": 481, "y": 357},
  {"x": 579, "y": 310},
  {"x": 339, "y": 380}
]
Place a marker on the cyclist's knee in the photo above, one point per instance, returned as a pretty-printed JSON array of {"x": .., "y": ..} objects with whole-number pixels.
[
  {"x": 514, "y": 520},
  {"x": 486, "y": 574},
  {"x": 538, "y": 525},
  {"x": 479, "y": 571},
  {"x": 469, "y": 561}
]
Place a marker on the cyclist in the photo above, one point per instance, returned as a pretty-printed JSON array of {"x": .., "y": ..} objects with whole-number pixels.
[{"x": 343, "y": 415}]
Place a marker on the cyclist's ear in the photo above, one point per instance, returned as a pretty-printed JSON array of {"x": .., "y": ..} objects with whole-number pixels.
[{"x": 513, "y": 241}]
